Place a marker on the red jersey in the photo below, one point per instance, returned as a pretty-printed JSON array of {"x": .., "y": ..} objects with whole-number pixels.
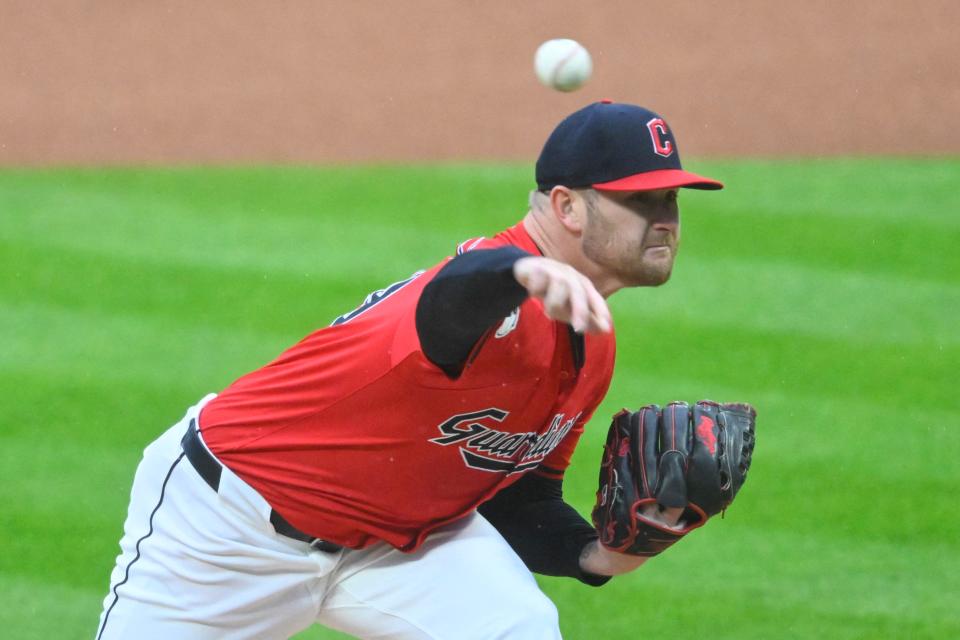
[{"x": 354, "y": 436}]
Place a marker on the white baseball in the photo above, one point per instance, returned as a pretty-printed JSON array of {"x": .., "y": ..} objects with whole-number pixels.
[{"x": 562, "y": 64}]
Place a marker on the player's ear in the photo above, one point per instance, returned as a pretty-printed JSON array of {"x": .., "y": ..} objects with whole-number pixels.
[{"x": 569, "y": 207}]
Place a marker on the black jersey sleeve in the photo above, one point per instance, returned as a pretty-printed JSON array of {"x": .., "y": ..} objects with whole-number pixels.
[
  {"x": 467, "y": 296},
  {"x": 546, "y": 532}
]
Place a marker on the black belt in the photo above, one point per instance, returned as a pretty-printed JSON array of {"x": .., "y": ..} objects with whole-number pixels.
[{"x": 210, "y": 470}]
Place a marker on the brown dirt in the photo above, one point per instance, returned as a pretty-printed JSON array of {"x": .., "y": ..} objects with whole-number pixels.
[{"x": 114, "y": 81}]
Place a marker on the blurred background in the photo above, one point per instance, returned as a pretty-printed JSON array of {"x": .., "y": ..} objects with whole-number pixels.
[{"x": 187, "y": 189}]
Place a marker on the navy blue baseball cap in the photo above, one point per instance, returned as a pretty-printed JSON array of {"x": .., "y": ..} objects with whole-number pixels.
[{"x": 614, "y": 147}]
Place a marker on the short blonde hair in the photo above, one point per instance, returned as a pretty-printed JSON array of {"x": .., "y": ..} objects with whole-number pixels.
[{"x": 538, "y": 200}]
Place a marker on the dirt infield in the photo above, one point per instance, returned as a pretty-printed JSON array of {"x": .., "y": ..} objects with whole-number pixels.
[{"x": 110, "y": 81}]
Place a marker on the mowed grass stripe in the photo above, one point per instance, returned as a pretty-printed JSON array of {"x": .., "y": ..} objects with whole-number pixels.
[
  {"x": 893, "y": 375},
  {"x": 911, "y": 191},
  {"x": 88, "y": 345},
  {"x": 411, "y": 194},
  {"x": 99, "y": 411},
  {"x": 274, "y": 301},
  {"x": 820, "y": 240},
  {"x": 329, "y": 221},
  {"x": 785, "y": 297},
  {"x": 325, "y": 245}
]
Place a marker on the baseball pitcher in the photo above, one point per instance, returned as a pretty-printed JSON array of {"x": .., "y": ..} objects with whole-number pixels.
[{"x": 399, "y": 473}]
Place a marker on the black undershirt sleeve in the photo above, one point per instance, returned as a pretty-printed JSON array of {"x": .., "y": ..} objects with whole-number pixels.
[
  {"x": 466, "y": 297},
  {"x": 546, "y": 532}
]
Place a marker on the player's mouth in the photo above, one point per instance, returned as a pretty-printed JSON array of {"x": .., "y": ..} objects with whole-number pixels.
[{"x": 658, "y": 248}]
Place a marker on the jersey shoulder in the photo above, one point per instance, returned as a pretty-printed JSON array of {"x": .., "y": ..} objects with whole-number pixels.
[{"x": 480, "y": 242}]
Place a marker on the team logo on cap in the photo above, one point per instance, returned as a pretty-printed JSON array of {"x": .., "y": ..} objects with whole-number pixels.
[{"x": 658, "y": 132}]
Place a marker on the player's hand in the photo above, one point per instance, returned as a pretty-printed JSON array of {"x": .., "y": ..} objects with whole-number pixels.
[{"x": 567, "y": 295}]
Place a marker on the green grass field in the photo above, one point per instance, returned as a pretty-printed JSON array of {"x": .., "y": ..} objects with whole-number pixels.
[{"x": 825, "y": 292}]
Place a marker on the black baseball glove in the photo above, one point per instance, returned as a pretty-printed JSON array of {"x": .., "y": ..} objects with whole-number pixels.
[{"x": 694, "y": 458}]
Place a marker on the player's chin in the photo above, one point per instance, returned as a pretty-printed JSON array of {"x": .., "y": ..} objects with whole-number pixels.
[
  {"x": 653, "y": 275},
  {"x": 660, "y": 277},
  {"x": 657, "y": 271}
]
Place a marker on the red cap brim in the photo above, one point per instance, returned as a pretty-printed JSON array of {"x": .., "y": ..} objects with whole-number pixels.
[{"x": 660, "y": 179}]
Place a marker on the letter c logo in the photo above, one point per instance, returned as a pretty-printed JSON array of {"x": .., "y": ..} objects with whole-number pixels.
[{"x": 658, "y": 129}]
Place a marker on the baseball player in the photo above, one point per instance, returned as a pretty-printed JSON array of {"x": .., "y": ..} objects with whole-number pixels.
[{"x": 398, "y": 474}]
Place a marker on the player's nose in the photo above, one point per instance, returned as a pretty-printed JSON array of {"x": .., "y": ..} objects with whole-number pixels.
[{"x": 668, "y": 223}]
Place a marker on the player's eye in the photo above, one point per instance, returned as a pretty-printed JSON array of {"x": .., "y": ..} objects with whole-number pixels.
[{"x": 640, "y": 198}]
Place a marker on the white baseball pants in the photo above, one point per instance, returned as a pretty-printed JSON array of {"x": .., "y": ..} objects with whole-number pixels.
[{"x": 199, "y": 564}]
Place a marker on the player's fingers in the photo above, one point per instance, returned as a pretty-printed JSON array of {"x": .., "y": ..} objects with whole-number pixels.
[
  {"x": 530, "y": 274},
  {"x": 567, "y": 302},
  {"x": 578, "y": 304},
  {"x": 556, "y": 302},
  {"x": 537, "y": 283},
  {"x": 599, "y": 319},
  {"x": 568, "y": 296}
]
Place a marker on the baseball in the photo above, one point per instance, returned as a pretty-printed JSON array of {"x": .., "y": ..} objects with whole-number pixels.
[{"x": 562, "y": 64}]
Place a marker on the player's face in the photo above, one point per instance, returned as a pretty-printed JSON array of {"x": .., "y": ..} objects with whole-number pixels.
[{"x": 633, "y": 235}]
